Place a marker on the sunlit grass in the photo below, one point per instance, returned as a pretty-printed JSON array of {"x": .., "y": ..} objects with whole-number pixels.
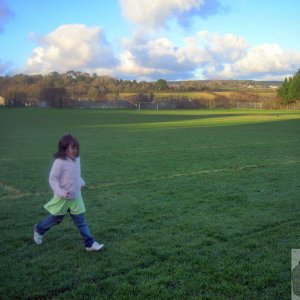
[{"x": 201, "y": 120}]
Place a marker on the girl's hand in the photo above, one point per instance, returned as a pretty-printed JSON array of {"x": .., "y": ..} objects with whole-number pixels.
[{"x": 69, "y": 196}]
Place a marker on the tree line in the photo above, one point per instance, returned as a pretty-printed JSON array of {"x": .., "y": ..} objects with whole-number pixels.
[
  {"x": 289, "y": 91},
  {"x": 57, "y": 89}
]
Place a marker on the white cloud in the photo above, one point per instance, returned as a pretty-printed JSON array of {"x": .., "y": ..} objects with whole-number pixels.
[
  {"x": 160, "y": 56},
  {"x": 71, "y": 47},
  {"x": 262, "y": 61},
  {"x": 268, "y": 58},
  {"x": 82, "y": 48},
  {"x": 191, "y": 52},
  {"x": 129, "y": 68},
  {"x": 153, "y": 57},
  {"x": 207, "y": 55},
  {"x": 226, "y": 48},
  {"x": 154, "y": 14}
]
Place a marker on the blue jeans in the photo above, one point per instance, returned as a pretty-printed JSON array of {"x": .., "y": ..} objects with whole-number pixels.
[{"x": 79, "y": 220}]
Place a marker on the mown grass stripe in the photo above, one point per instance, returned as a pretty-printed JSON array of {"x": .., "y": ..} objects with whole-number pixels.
[
  {"x": 193, "y": 173},
  {"x": 19, "y": 194}
]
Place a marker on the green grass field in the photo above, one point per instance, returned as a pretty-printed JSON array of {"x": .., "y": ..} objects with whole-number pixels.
[{"x": 190, "y": 204}]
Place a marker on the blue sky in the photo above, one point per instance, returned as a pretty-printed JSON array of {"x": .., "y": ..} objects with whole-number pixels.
[{"x": 152, "y": 39}]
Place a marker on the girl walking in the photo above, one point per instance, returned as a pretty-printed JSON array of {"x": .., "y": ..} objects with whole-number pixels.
[{"x": 66, "y": 183}]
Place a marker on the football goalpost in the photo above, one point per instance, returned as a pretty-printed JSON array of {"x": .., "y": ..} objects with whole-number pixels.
[{"x": 148, "y": 105}]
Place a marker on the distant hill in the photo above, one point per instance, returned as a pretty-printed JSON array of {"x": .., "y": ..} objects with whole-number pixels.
[{"x": 265, "y": 83}]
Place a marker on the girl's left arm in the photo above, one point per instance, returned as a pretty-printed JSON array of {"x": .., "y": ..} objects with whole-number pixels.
[{"x": 54, "y": 179}]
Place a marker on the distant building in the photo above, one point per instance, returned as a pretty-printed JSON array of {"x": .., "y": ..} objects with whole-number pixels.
[{"x": 2, "y": 101}]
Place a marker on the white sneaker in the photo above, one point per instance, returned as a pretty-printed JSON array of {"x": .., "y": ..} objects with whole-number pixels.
[
  {"x": 38, "y": 238},
  {"x": 95, "y": 247}
]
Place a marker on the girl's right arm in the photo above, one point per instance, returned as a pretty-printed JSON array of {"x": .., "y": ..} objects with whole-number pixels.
[{"x": 54, "y": 179}]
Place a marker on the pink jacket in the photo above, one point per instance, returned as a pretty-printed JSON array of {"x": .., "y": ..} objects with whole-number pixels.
[{"x": 65, "y": 178}]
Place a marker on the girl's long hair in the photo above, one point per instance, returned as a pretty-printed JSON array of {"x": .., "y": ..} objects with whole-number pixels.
[{"x": 63, "y": 145}]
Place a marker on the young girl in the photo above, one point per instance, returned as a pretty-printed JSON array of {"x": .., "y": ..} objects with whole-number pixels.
[{"x": 66, "y": 183}]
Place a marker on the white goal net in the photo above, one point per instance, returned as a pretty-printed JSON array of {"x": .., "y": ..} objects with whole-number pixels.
[{"x": 148, "y": 105}]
